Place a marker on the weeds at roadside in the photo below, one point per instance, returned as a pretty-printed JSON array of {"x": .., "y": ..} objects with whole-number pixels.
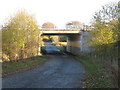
[{"x": 95, "y": 74}]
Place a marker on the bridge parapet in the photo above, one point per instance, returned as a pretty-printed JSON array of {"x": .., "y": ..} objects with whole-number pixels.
[{"x": 50, "y": 29}]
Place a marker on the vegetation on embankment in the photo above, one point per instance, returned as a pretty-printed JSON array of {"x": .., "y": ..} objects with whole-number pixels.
[
  {"x": 43, "y": 51},
  {"x": 102, "y": 62},
  {"x": 62, "y": 48},
  {"x": 19, "y": 65},
  {"x": 97, "y": 74},
  {"x": 20, "y": 37}
]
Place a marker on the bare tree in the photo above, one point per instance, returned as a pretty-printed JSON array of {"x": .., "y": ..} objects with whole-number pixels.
[
  {"x": 74, "y": 25},
  {"x": 48, "y": 25},
  {"x": 108, "y": 13}
]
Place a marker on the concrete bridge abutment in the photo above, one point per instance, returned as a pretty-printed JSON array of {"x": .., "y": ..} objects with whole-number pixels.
[
  {"x": 77, "y": 44},
  {"x": 73, "y": 44}
]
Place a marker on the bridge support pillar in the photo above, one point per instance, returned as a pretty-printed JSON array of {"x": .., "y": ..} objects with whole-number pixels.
[
  {"x": 73, "y": 44},
  {"x": 77, "y": 44}
]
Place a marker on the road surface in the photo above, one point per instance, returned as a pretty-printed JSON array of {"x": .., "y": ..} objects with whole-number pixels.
[
  {"x": 52, "y": 50},
  {"x": 60, "y": 71}
]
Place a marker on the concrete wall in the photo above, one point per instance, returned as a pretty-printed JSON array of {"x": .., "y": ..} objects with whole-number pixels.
[
  {"x": 73, "y": 44},
  {"x": 85, "y": 35},
  {"x": 77, "y": 44}
]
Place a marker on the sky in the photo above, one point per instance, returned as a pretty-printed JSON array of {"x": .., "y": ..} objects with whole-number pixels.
[{"x": 58, "y": 12}]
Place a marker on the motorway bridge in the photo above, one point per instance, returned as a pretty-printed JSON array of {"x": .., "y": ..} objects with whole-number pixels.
[{"x": 76, "y": 39}]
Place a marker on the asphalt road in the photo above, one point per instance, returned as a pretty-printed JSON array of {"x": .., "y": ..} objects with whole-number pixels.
[
  {"x": 52, "y": 50},
  {"x": 60, "y": 71}
]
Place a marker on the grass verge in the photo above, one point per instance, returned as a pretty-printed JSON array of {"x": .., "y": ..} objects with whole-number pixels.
[
  {"x": 95, "y": 74},
  {"x": 60, "y": 48},
  {"x": 9, "y": 67}
]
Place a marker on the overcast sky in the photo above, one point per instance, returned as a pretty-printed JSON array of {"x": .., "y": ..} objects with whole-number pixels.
[{"x": 58, "y": 12}]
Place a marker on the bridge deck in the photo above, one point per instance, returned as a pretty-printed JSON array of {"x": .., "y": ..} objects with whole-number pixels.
[{"x": 60, "y": 31}]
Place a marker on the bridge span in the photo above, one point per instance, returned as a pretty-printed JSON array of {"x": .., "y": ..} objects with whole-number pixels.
[
  {"x": 60, "y": 31},
  {"x": 76, "y": 39}
]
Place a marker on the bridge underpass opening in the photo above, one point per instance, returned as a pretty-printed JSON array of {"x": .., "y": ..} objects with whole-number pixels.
[{"x": 53, "y": 44}]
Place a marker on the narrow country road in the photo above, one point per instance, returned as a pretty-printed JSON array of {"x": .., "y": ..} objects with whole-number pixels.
[{"x": 60, "y": 71}]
